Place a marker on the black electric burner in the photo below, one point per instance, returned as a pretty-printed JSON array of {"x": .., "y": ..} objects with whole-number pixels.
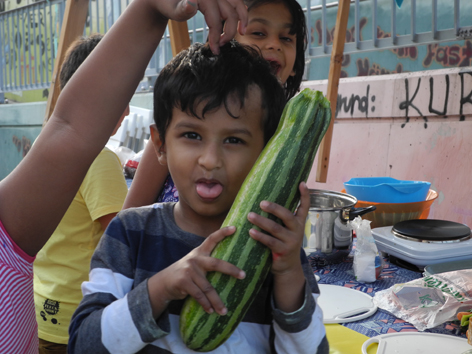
[
  {"x": 425, "y": 242},
  {"x": 432, "y": 231}
]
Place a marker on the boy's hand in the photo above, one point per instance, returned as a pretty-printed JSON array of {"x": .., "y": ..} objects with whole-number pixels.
[
  {"x": 285, "y": 241},
  {"x": 232, "y": 12},
  {"x": 188, "y": 277}
]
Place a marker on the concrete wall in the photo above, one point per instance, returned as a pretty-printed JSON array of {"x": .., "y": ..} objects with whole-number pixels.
[
  {"x": 20, "y": 124},
  {"x": 415, "y": 126}
]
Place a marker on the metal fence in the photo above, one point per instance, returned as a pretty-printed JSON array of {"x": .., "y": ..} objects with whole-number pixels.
[
  {"x": 28, "y": 42},
  {"x": 29, "y": 35},
  {"x": 417, "y": 22}
]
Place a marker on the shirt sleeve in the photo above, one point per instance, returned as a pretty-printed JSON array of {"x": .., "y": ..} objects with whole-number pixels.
[
  {"x": 114, "y": 316},
  {"x": 104, "y": 187},
  {"x": 301, "y": 331}
]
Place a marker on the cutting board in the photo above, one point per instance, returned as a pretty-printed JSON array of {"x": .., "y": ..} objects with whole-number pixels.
[
  {"x": 418, "y": 343},
  {"x": 341, "y": 304}
]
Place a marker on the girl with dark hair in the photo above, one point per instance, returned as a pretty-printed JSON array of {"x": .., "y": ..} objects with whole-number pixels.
[{"x": 278, "y": 29}]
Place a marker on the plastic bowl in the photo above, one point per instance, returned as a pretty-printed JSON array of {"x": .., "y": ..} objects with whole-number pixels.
[
  {"x": 388, "y": 214},
  {"x": 387, "y": 190}
]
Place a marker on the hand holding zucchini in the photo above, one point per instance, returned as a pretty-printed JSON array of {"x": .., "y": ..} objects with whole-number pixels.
[{"x": 286, "y": 160}]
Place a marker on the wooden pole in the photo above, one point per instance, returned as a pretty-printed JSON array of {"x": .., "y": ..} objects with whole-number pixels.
[
  {"x": 73, "y": 25},
  {"x": 333, "y": 83},
  {"x": 179, "y": 37}
]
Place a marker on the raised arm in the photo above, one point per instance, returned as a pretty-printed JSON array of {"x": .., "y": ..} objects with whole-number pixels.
[{"x": 35, "y": 196}]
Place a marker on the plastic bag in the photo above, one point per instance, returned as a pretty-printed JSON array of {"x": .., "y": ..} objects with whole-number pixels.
[
  {"x": 124, "y": 154},
  {"x": 367, "y": 262},
  {"x": 427, "y": 302},
  {"x": 131, "y": 164}
]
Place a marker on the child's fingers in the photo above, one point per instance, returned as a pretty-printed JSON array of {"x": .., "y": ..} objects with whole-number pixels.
[
  {"x": 268, "y": 225},
  {"x": 206, "y": 294},
  {"x": 207, "y": 297},
  {"x": 215, "y": 12},
  {"x": 213, "y": 19},
  {"x": 180, "y": 10},
  {"x": 211, "y": 264},
  {"x": 304, "y": 206},
  {"x": 274, "y": 244},
  {"x": 211, "y": 241},
  {"x": 288, "y": 219},
  {"x": 240, "y": 10}
]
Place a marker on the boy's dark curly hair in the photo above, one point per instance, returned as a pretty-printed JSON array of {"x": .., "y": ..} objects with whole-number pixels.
[
  {"x": 78, "y": 51},
  {"x": 197, "y": 75},
  {"x": 292, "y": 86}
]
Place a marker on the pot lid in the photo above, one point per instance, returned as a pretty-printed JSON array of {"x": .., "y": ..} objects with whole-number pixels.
[{"x": 431, "y": 230}]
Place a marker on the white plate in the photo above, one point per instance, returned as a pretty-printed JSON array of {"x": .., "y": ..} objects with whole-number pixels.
[
  {"x": 341, "y": 304},
  {"x": 418, "y": 343}
]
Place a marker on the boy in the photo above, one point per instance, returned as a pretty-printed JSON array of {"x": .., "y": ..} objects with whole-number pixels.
[
  {"x": 64, "y": 262},
  {"x": 37, "y": 193},
  {"x": 213, "y": 114}
]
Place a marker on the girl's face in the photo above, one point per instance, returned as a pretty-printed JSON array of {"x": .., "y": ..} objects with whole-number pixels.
[{"x": 268, "y": 29}]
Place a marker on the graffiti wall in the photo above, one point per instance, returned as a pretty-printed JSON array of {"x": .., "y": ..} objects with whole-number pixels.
[
  {"x": 442, "y": 55},
  {"x": 413, "y": 126},
  {"x": 29, "y": 38},
  {"x": 421, "y": 94},
  {"x": 29, "y": 43}
]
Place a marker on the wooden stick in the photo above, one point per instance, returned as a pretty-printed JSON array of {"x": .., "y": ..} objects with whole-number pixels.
[
  {"x": 179, "y": 37},
  {"x": 73, "y": 25},
  {"x": 333, "y": 83}
]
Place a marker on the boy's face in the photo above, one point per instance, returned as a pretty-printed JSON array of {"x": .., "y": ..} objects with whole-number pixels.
[
  {"x": 210, "y": 158},
  {"x": 268, "y": 29}
]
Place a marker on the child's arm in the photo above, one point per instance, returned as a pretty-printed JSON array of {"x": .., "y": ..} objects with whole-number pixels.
[
  {"x": 298, "y": 319},
  {"x": 35, "y": 196},
  {"x": 148, "y": 181},
  {"x": 133, "y": 277}
]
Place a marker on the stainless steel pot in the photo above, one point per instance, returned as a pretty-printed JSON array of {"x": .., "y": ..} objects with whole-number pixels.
[{"x": 328, "y": 220}]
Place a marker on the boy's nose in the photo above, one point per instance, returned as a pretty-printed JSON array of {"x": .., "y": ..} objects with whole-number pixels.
[{"x": 210, "y": 158}]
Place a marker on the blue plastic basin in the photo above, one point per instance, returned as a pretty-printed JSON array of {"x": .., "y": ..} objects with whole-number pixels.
[{"x": 387, "y": 190}]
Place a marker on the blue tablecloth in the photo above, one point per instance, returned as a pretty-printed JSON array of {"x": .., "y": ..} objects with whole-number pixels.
[{"x": 381, "y": 322}]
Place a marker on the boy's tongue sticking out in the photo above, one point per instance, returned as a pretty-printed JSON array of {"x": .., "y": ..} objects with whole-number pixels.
[{"x": 209, "y": 190}]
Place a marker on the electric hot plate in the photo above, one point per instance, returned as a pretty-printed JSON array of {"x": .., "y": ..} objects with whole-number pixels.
[{"x": 423, "y": 242}]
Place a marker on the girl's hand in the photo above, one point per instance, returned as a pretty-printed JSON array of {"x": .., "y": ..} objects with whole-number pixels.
[
  {"x": 285, "y": 241},
  {"x": 232, "y": 12},
  {"x": 188, "y": 277}
]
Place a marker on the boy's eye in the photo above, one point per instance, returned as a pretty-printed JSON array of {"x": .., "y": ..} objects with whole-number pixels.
[
  {"x": 193, "y": 136},
  {"x": 286, "y": 39},
  {"x": 233, "y": 140}
]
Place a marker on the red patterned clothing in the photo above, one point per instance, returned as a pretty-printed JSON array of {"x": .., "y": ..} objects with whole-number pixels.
[{"x": 18, "y": 327}]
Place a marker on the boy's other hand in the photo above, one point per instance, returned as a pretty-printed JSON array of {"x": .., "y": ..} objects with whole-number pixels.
[
  {"x": 232, "y": 12},
  {"x": 285, "y": 241},
  {"x": 188, "y": 277}
]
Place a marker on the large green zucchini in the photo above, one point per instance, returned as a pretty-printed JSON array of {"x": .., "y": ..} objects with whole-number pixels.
[{"x": 285, "y": 161}]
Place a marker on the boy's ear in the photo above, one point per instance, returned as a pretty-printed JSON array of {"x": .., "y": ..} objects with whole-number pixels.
[{"x": 159, "y": 147}]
